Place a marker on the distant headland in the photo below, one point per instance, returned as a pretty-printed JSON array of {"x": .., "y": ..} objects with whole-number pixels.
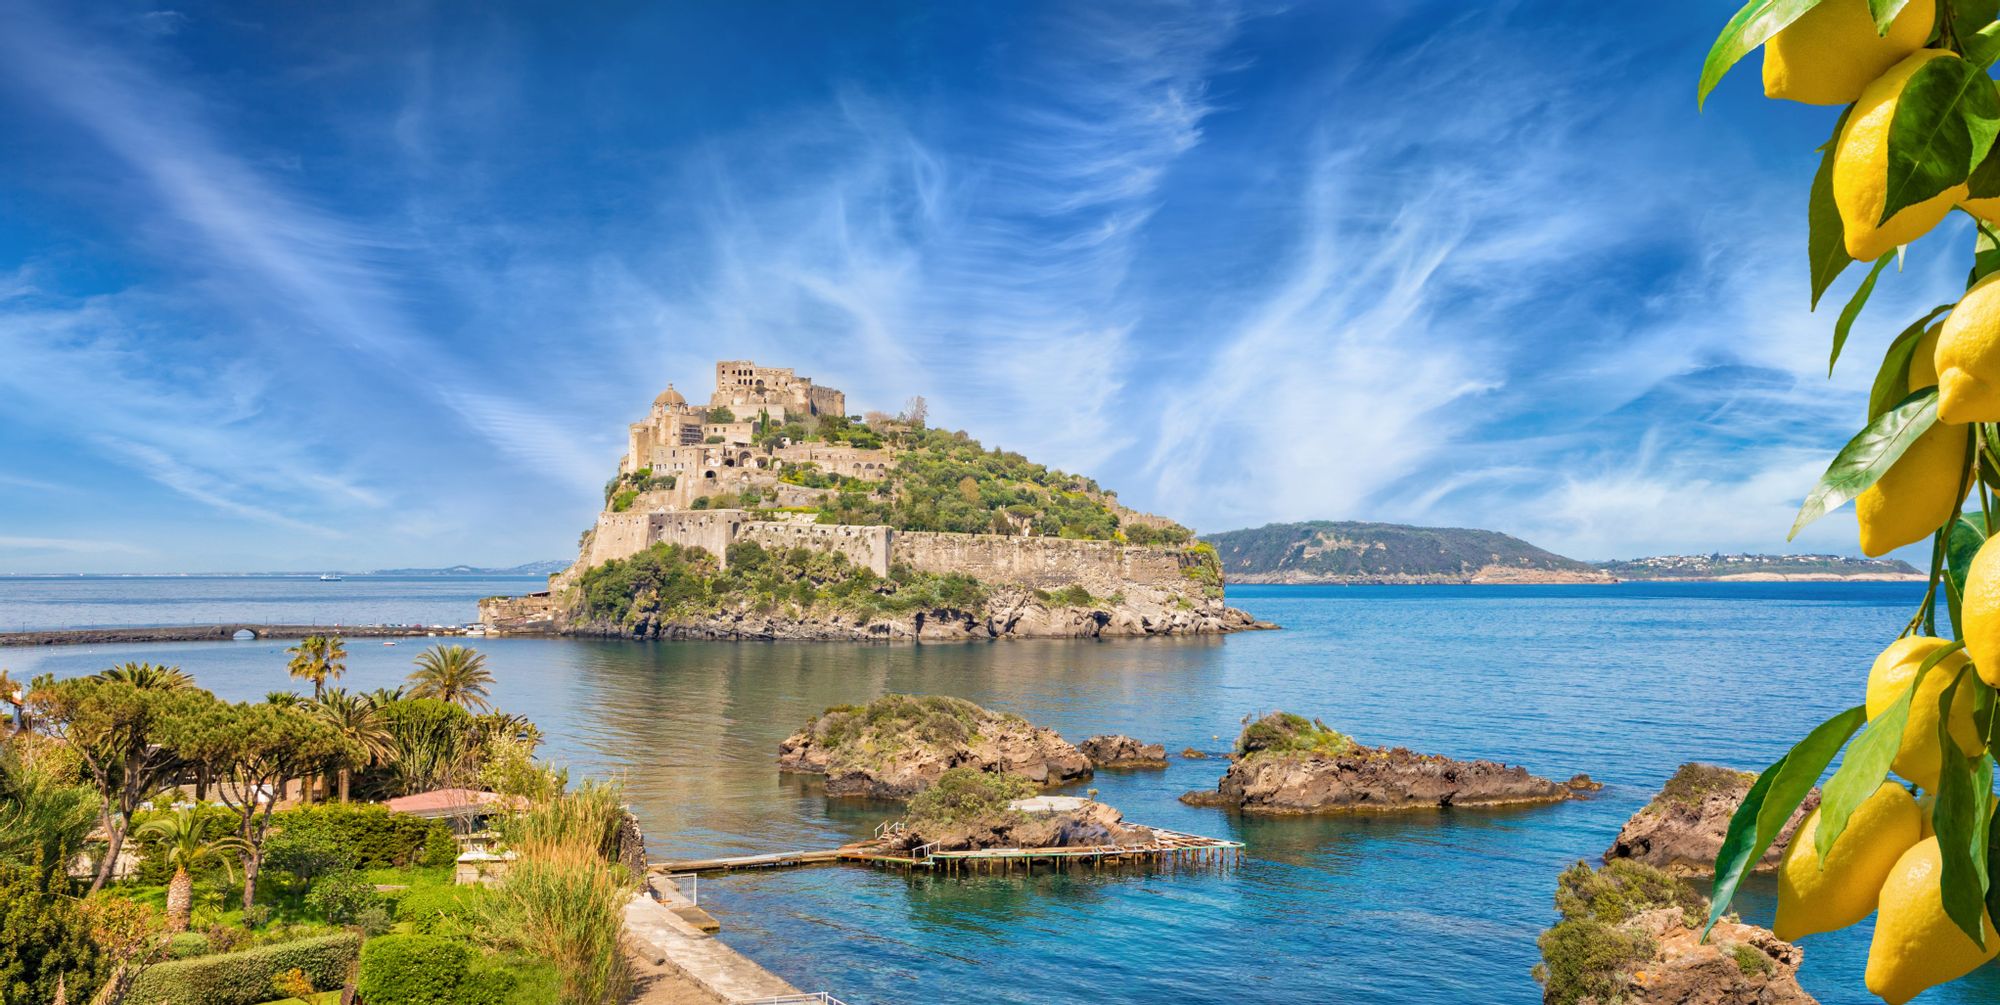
[
  {"x": 1359, "y": 553},
  {"x": 772, "y": 513}
]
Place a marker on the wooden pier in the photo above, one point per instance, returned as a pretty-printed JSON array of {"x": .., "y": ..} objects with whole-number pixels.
[{"x": 1168, "y": 849}]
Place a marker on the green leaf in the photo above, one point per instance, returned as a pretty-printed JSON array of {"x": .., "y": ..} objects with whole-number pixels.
[
  {"x": 1867, "y": 762},
  {"x": 1984, "y": 182},
  {"x": 1826, "y": 236},
  {"x": 1853, "y": 310},
  {"x": 1985, "y": 253},
  {"x": 1945, "y": 122},
  {"x": 1892, "y": 380},
  {"x": 1869, "y": 454},
  {"x": 1963, "y": 543},
  {"x": 1974, "y": 14},
  {"x": 1885, "y": 12},
  {"x": 1750, "y": 28},
  {"x": 1982, "y": 46},
  {"x": 1962, "y": 817},
  {"x": 1771, "y": 801}
]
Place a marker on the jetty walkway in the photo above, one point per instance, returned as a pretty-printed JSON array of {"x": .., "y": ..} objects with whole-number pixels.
[
  {"x": 214, "y": 633},
  {"x": 1168, "y": 849}
]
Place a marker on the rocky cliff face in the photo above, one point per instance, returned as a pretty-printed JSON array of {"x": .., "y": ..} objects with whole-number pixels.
[
  {"x": 1372, "y": 778},
  {"x": 899, "y": 745},
  {"x": 1739, "y": 965},
  {"x": 1008, "y": 613},
  {"x": 1681, "y": 830},
  {"x": 1090, "y": 823}
]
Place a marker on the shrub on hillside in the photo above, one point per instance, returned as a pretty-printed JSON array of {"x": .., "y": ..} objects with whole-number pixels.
[
  {"x": 245, "y": 978},
  {"x": 442, "y": 910},
  {"x": 42, "y": 935},
  {"x": 1585, "y": 955},
  {"x": 343, "y": 898},
  {"x": 967, "y": 795},
  {"x": 1284, "y": 733},
  {"x": 428, "y": 970}
]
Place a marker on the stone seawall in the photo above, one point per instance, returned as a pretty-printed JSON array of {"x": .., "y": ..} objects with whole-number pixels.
[{"x": 1102, "y": 567}]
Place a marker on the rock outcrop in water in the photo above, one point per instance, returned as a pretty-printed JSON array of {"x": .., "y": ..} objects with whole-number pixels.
[
  {"x": 899, "y": 745},
  {"x": 970, "y": 810},
  {"x": 1288, "y": 764},
  {"x": 1681, "y": 830},
  {"x": 1116, "y": 751},
  {"x": 1631, "y": 934}
]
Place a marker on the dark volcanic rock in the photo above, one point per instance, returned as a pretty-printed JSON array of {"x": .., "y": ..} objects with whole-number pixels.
[
  {"x": 1682, "y": 828},
  {"x": 1123, "y": 752},
  {"x": 1371, "y": 778},
  {"x": 898, "y": 745}
]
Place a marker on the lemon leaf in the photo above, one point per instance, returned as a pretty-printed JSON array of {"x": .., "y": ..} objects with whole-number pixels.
[
  {"x": 1755, "y": 23},
  {"x": 1826, "y": 236},
  {"x": 1853, "y": 310},
  {"x": 1884, "y": 12},
  {"x": 1771, "y": 801},
  {"x": 1962, "y": 817},
  {"x": 1944, "y": 125},
  {"x": 1892, "y": 379},
  {"x": 1960, "y": 545},
  {"x": 1867, "y": 762},
  {"x": 1868, "y": 455}
]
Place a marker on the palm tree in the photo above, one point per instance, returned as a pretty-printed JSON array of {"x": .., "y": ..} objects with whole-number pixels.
[
  {"x": 184, "y": 846},
  {"x": 318, "y": 658},
  {"x": 361, "y": 723},
  {"x": 454, "y": 674},
  {"x": 509, "y": 725},
  {"x": 43, "y": 817},
  {"x": 149, "y": 676},
  {"x": 383, "y": 697}
]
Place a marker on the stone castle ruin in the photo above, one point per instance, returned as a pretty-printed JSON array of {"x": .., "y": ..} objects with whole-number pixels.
[{"x": 686, "y": 470}]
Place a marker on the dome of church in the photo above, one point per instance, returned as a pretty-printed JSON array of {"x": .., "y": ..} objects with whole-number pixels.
[{"x": 670, "y": 397}]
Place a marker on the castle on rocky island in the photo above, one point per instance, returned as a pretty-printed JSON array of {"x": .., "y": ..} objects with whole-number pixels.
[{"x": 764, "y": 461}]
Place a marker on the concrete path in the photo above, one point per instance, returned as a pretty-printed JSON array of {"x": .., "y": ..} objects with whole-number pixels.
[{"x": 663, "y": 938}]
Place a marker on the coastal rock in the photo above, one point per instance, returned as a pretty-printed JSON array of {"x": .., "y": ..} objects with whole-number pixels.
[
  {"x": 1631, "y": 934},
  {"x": 1681, "y": 830},
  {"x": 1009, "y": 612},
  {"x": 898, "y": 745},
  {"x": 1116, "y": 751},
  {"x": 1068, "y": 822},
  {"x": 1286, "y": 764}
]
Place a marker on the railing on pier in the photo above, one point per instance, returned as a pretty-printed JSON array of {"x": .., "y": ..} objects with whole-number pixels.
[{"x": 688, "y": 883}]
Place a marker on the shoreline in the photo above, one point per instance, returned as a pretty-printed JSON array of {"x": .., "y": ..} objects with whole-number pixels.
[{"x": 216, "y": 633}]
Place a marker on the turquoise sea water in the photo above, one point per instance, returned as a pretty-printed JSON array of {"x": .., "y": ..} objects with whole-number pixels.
[{"x": 1623, "y": 682}]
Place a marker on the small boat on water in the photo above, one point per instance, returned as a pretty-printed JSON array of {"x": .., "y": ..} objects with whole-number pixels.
[{"x": 330, "y": 577}]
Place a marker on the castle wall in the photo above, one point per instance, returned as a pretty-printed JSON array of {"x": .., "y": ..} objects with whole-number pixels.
[
  {"x": 868, "y": 547},
  {"x": 1102, "y": 567}
]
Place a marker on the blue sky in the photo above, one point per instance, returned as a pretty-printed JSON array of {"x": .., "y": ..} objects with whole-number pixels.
[{"x": 292, "y": 286}]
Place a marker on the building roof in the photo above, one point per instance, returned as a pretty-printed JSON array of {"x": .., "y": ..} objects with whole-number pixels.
[
  {"x": 670, "y": 397},
  {"x": 439, "y": 803}
]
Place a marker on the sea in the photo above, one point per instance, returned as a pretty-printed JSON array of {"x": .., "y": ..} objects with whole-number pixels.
[{"x": 1623, "y": 682}]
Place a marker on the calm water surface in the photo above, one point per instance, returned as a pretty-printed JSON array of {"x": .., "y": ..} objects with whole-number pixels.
[{"x": 1623, "y": 682}]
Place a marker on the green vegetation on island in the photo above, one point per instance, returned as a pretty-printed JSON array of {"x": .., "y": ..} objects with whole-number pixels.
[
  {"x": 669, "y": 582},
  {"x": 1328, "y": 551},
  {"x": 1281, "y": 734}
]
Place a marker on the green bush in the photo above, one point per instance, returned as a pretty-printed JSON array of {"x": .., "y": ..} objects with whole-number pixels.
[
  {"x": 967, "y": 795},
  {"x": 42, "y": 935},
  {"x": 442, "y": 910},
  {"x": 1587, "y": 954},
  {"x": 187, "y": 945},
  {"x": 376, "y": 838},
  {"x": 428, "y": 970},
  {"x": 245, "y": 978},
  {"x": 1281, "y": 733},
  {"x": 342, "y": 897}
]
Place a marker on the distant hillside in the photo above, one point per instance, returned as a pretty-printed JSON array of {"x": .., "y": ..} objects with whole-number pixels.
[
  {"x": 1326, "y": 551},
  {"x": 542, "y": 568},
  {"x": 1756, "y": 567}
]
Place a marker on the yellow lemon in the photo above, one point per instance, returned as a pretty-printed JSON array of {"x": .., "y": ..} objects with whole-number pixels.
[
  {"x": 1918, "y": 493},
  {"x": 1831, "y": 52},
  {"x": 1824, "y": 895},
  {"x": 1861, "y": 170},
  {"x": 1916, "y": 944},
  {"x": 1968, "y": 356},
  {"x": 1981, "y": 611},
  {"x": 1919, "y": 759}
]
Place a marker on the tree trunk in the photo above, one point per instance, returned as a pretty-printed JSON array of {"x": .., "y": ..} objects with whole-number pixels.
[
  {"x": 180, "y": 900},
  {"x": 252, "y": 861},
  {"x": 345, "y": 773},
  {"x": 117, "y": 825}
]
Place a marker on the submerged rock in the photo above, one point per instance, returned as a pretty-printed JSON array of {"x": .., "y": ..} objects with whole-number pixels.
[
  {"x": 1287, "y": 764},
  {"x": 1631, "y": 934},
  {"x": 899, "y": 745},
  {"x": 1116, "y": 751},
  {"x": 1681, "y": 830}
]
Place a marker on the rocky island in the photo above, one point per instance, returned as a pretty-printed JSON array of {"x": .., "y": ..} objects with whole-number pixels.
[
  {"x": 1288, "y": 764},
  {"x": 1681, "y": 829},
  {"x": 899, "y": 745},
  {"x": 771, "y": 513},
  {"x": 1117, "y": 751},
  {"x": 972, "y": 810},
  {"x": 1354, "y": 553}
]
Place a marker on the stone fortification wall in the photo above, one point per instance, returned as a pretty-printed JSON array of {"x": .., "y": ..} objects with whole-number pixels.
[
  {"x": 1102, "y": 567},
  {"x": 868, "y": 547}
]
